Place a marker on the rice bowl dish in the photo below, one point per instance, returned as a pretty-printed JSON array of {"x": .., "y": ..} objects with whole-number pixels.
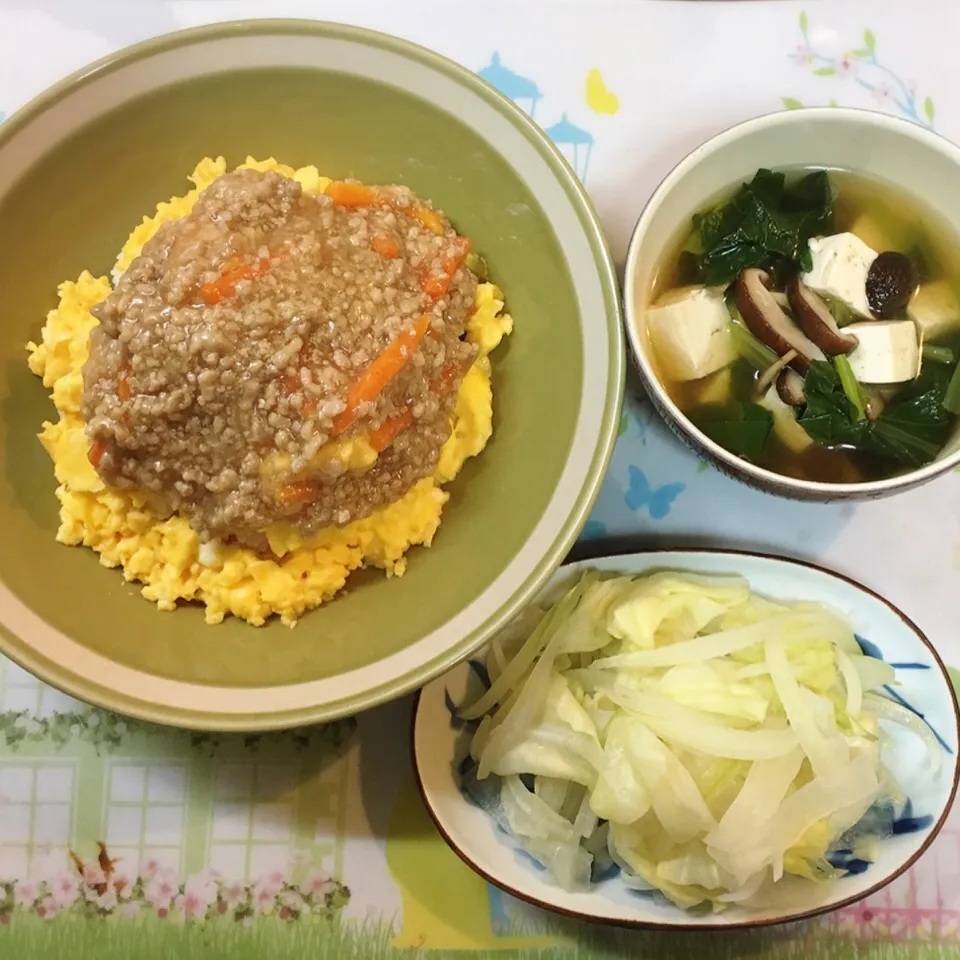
[{"x": 308, "y": 480}]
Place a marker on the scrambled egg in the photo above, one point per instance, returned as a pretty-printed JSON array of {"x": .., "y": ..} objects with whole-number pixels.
[{"x": 166, "y": 555}]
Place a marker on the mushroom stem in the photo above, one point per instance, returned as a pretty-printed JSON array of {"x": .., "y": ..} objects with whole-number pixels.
[
  {"x": 768, "y": 323},
  {"x": 817, "y": 322},
  {"x": 773, "y": 371}
]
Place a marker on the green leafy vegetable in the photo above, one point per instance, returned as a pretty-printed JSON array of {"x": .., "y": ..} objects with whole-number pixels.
[
  {"x": 741, "y": 428},
  {"x": 911, "y": 430},
  {"x": 757, "y": 354},
  {"x": 766, "y": 224},
  {"x": 829, "y": 416},
  {"x": 850, "y": 386},
  {"x": 914, "y": 426},
  {"x": 938, "y": 353},
  {"x": 951, "y": 399},
  {"x": 839, "y": 310}
]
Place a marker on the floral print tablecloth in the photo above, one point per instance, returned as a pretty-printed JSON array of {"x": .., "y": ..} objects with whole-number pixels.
[{"x": 122, "y": 840}]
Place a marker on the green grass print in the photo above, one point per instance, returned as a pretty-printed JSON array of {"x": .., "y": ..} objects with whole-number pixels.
[{"x": 149, "y": 938}]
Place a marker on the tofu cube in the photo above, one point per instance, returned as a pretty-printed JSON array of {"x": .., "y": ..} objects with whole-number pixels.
[
  {"x": 785, "y": 426},
  {"x": 690, "y": 332},
  {"x": 935, "y": 310},
  {"x": 840, "y": 266},
  {"x": 888, "y": 352}
]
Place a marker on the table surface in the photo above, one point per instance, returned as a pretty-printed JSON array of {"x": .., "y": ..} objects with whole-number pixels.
[{"x": 325, "y": 823}]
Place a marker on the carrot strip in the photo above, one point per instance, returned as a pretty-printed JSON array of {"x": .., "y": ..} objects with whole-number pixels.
[
  {"x": 300, "y": 491},
  {"x": 226, "y": 284},
  {"x": 346, "y": 194},
  {"x": 124, "y": 392},
  {"x": 447, "y": 378},
  {"x": 429, "y": 218},
  {"x": 96, "y": 452},
  {"x": 385, "y": 246},
  {"x": 385, "y": 367},
  {"x": 389, "y": 430},
  {"x": 436, "y": 285}
]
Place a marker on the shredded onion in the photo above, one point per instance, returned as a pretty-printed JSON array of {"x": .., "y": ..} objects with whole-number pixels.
[{"x": 710, "y": 743}]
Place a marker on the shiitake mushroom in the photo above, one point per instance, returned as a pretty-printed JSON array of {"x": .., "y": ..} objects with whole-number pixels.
[{"x": 891, "y": 282}]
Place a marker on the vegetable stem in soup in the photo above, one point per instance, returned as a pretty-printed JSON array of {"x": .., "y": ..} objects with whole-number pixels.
[{"x": 809, "y": 322}]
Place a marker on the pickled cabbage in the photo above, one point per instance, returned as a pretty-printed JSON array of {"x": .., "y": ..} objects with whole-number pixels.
[{"x": 707, "y": 741}]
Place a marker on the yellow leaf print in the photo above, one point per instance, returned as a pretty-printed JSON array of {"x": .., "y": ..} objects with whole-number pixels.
[{"x": 599, "y": 98}]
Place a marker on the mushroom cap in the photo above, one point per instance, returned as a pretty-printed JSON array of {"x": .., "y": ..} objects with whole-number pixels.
[
  {"x": 790, "y": 388},
  {"x": 815, "y": 319},
  {"x": 891, "y": 282},
  {"x": 767, "y": 321}
]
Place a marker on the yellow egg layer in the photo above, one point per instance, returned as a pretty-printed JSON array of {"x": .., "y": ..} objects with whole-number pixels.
[{"x": 166, "y": 555}]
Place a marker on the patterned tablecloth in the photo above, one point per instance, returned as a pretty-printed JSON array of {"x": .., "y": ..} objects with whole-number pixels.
[{"x": 315, "y": 842}]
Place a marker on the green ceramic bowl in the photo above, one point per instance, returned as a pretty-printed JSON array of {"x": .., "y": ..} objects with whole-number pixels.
[{"x": 83, "y": 163}]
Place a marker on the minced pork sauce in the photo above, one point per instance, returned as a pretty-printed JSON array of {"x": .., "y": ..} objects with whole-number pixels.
[{"x": 261, "y": 351}]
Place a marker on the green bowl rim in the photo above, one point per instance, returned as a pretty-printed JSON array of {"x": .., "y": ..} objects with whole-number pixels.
[{"x": 50, "y": 672}]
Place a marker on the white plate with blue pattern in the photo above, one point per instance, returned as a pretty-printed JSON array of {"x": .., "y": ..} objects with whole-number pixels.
[{"x": 466, "y": 819}]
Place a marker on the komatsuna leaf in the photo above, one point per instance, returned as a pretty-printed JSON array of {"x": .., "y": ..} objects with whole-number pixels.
[
  {"x": 829, "y": 417},
  {"x": 911, "y": 430},
  {"x": 914, "y": 426},
  {"x": 741, "y": 428},
  {"x": 766, "y": 224}
]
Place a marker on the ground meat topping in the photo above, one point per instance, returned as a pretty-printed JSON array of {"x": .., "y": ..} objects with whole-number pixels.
[{"x": 279, "y": 357}]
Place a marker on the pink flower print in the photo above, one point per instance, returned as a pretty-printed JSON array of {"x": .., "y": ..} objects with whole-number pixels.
[
  {"x": 882, "y": 93},
  {"x": 161, "y": 890},
  {"x": 316, "y": 884},
  {"x": 49, "y": 909},
  {"x": 65, "y": 889},
  {"x": 151, "y": 867},
  {"x": 129, "y": 909},
  {"x": 122, "y": 882},
  {"x": 26, "y": 894},
  {"x": 868, "y": 926},
  {"x": 107, "y": 901},
  {"x": 203, "y": 885},
  {"x": 93, "y": 875},
  {"x": 924, "y": 930},
  {"x": 292, "y": 901},
  {"x": 265, "y": 895},
  {"x": 803, "y": 55},
  {"x": 234, "y": 894},
  {"x": 192, "y": 906},
  {"x": 847, "y": 65}
]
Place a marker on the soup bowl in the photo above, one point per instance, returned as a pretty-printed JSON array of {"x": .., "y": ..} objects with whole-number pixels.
[{"x": 907, "y": 157}]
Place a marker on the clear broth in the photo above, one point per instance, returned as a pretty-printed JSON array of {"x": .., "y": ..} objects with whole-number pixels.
[{"x": 897, "y": 221}]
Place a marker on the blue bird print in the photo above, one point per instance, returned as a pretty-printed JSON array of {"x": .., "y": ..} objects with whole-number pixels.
[{"x": 641, "y": 494}]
